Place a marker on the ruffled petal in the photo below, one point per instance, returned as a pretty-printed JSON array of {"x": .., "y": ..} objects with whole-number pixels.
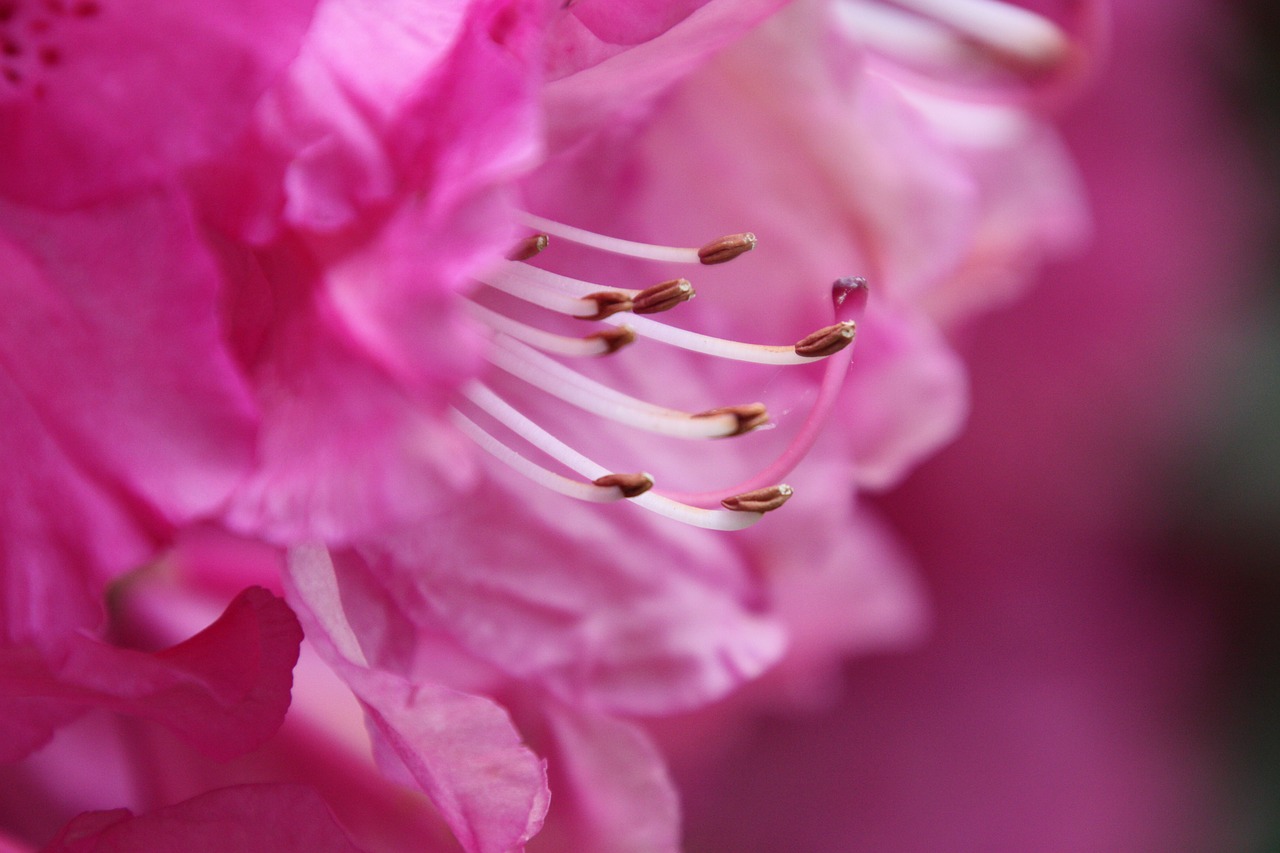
[
  {"x": 462, "y": 750},
  {"x": 225, "y": 690}
]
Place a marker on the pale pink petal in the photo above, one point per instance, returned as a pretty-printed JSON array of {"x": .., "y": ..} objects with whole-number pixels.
[
  {"x": 462, "y": 750},
  {"x": 617, "y": 796},
  {"x": 608, "y": 64},
  {"x": 844, "y": 586},
  {"x": 118, "y": 93},
  {"x": 225, "y": 690},
  {"x": 605, "y": 607},
  {"x": 274, "y": 818},
  {"x": 906, "y": 396}
]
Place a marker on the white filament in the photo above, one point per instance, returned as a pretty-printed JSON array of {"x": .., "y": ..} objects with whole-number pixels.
[
  {"x": 506, "y": 414},
  {"x": 630, "y": 248},
  {"x": 591, "y": 396}
]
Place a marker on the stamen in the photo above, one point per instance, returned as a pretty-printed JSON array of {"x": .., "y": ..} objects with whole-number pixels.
[
  {"x": 827, "y": 341},
  {"x": 662, "y": 297},
  {"x": 608, "y": 303},
  {"x": 718, "y": 347},
  {"x": 614, "y": 339},
  {"x": 603, "y": 342},
  {"x": 751, "y": 416},
  {"x": 759, "y": 500},
  {"x": 849, "y": 297},
  {"x": 1012, "y": 30},
  {"x": 512, "y": 419},
  {"x": 727, "y": 248},
  {"x": 591, "y": 396},
  {"x": 593, "y": 306},
  {"x": 630, "y": 248},
  {"x": 601, "y": 490},
  {"x": 631, "y": 485},
  {"x": 947, "y": 31},
  {"x": 528, "y": 247}
]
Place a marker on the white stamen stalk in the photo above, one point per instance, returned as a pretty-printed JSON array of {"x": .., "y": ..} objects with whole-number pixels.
[
  {"x": 614, "y": 245},
  {"x": 506, "y": 414},
  {"x": 559, "y": 302},
  {"x": 1007, "y": 28},
  {"x": 543, "y": 340},
  {"x": 591, "y": 396}
]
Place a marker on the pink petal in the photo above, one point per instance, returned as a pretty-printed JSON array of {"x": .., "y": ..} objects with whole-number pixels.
[
  {"x": 112, "y": 337},
  {"x": 273, "y": 818},
  {"x": 605, "y": 607},
  {"x": 98, "y": 115},
  {"x": 906, "y": 396},
  {"x": 225, "y": 690},
  {"x": 345, "y": 450},
  {"x": 619, "y": 798},
  {"x": 608, "y": 64},
  {"x": 461, "y": 749}
]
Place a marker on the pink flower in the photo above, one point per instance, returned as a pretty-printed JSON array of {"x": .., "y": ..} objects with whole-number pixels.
[{"x": 291, "y": 319}]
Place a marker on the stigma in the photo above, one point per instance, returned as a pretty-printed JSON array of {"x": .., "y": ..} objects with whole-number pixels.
[{"x": 522, "y": 349}]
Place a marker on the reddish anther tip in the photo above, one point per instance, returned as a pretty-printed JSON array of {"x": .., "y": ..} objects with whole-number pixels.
[
  {"x": 726, "y": 248},
  {"x": 609, "y": 302},
  {"x": 828, "y": 340},
  {"x": 631, "y": 485},
  {"x": 750, "y": 416},
  {"x": 528, "y": 247},
  {"x": 760, "y": 500},
  {"x": 614, "y": 338},
  {"x": 662, "y": 297}
]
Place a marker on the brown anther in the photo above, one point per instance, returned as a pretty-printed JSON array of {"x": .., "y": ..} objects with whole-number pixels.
[
  {"x": 662, "y": 297},
  {"x": 609, "y": 302},
  {"x": 750, "y": 416},
  {"x": 631, "y": 485},
  {"x": 528, "y": 247},
  {"x": 828, "y": 340},
  {"x": 615, "y": 338},
  {"x": 726, "y": 248},
  {"x": 761, "y": 500}
]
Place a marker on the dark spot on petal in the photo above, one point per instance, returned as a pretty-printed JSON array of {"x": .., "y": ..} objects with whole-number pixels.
[
  {"x": 50, "y": 55},
  {"x": 57, "y": 7},
  {"x": 12, "y": 75},
  {"x": 9, "y": 47},
  {"x": 8, "y": 8},
  {"x": 40, "y": 26},
  {"x": 86, "y": 9}
]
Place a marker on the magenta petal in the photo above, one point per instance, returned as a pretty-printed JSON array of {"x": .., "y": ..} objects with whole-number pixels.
[
  {"x": 111, "y": 333},
  {"x": 621, "y": 798},
  {"x": 245, "y": 819},
  {"x": 461, "y": 749},
  {"x": 225, "y": 690},
  {"x": 135, "y": 89}
]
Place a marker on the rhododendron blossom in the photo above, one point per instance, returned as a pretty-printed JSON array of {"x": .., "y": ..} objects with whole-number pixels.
[{"x": 403, "y": 305}]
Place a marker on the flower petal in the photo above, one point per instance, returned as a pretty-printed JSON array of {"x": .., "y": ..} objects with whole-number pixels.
[
  {"x": 273, "y": 818},
  {"x": 97, "y": 114},
  {"x": 225, "y": 690},
  {"x": 462, "y": 750}
]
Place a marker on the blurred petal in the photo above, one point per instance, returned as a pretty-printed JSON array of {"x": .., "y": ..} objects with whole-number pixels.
[
  {"x": 248, "y": 818},
  {"x": 92, "y": 114},
  {"x": 225, "y": 690}
]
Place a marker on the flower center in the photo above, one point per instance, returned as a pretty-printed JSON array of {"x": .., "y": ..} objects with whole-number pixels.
[
  {"x": 533, "y": 355},
  {"x": 28, "y": 45}
]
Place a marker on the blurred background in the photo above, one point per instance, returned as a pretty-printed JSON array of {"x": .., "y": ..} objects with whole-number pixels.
[{"x": 1102, "y": 544}]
